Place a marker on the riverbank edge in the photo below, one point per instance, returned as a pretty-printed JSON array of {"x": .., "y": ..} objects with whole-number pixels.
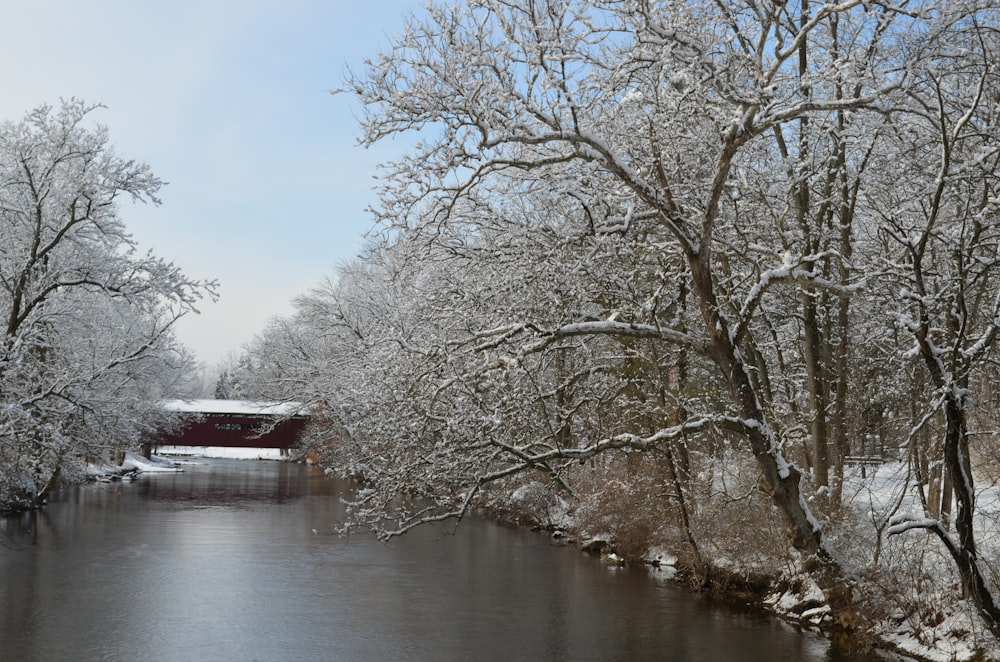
[
  {"x": 797, "y": 600},
  {"x": 794, "y": 599}
]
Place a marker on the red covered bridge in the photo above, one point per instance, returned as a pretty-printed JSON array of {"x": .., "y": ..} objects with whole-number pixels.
[{"x": 236, "y": 424}]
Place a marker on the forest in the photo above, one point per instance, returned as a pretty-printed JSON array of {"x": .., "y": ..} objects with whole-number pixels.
[
  {"x": 677, "y": 275},
  {"x": 713, "y": 281}
]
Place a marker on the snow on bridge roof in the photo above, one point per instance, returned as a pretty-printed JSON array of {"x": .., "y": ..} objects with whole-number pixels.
[{"x": 244, "y": 407}]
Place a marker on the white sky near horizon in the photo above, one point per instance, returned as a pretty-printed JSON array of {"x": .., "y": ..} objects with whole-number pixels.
[{"x": 229, "y": 102}]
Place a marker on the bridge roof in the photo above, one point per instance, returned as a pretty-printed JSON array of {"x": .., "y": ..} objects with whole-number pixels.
[{"x": 239, "y": 407}]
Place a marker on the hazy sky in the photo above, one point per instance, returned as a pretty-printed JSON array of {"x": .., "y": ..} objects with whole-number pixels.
[{"x": 229, "y": 102}]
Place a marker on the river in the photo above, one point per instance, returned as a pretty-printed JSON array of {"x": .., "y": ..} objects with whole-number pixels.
[{"x": 235, "y": 560}]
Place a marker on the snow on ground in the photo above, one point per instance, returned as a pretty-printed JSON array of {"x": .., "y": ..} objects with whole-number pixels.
[
  {"x": 153, "y": 465},
  {"x": 132, "y": 465},
  {"x": 234, "y": 407},
  {"x": 223, "y": 452},
  {"x": 173, "y": 459},
  {"x": 926, "y": 575}
]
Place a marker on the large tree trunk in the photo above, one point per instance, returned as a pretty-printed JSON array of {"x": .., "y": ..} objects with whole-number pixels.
[
  {"x": 816, "y": 385},
  {"x": 956, "y": 461},
  {"x": 839, "y": 429},
  {"x": 779, "y": 478},
  {"x": 958, "y": 471}
]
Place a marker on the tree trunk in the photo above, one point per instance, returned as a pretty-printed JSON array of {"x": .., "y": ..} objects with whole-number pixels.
[
  {"x": 947, "y": 491},
  {"x": 818, "y": 427},
  {"x": 780, "y": 479},
  {"x": 959, "y": 472},
  {"x": 956, "y": 460},
  {"x": 839, "y": 428},
  {"x": 43, "y": 495}
]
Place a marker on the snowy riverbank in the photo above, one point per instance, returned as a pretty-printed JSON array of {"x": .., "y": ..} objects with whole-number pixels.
[
  {"x": 173, "y": 459},
  {"x": 222, "y": 452},
  {"x": 906, "y": 585},
  {"x": 915, "y": 576}
]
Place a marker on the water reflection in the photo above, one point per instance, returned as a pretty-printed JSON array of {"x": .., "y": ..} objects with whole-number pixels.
[
  {"x": 227, "y": 485},
  {"x": 220, "y": 563},
  {"x": 19, "y": 530}
]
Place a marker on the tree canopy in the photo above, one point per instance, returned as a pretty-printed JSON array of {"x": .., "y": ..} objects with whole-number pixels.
[{"x": 88, "y": 349}]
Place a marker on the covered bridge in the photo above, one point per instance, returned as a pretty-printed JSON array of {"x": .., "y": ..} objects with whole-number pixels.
[{"x": 236, "y": 424}]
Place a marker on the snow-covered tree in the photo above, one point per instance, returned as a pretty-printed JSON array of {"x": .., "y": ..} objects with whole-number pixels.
[
  {"x": 656, "y": 126},
  {"x": 87, "y": 348},
  {"x": 940, "y": 224},
  {"x": 680, "y": 231}
]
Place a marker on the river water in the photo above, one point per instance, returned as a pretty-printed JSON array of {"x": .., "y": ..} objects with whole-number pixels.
[{"x": 233, "y": 560}]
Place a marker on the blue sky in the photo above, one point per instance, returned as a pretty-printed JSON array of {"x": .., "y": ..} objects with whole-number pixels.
[{"x": 229, "y": 102}]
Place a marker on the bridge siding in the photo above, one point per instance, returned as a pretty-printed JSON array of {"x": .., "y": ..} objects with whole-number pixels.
[{"x": 236, "y": 431}]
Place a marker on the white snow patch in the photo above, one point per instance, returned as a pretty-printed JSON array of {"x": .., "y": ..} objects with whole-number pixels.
[
  {"x": 816, "y": 615},
  {"x": 223, "y": 452},
  {"x": 152, "y": 465},
  {"x": 660, "y": 557},
  {"x": 233, "y": 407}
]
